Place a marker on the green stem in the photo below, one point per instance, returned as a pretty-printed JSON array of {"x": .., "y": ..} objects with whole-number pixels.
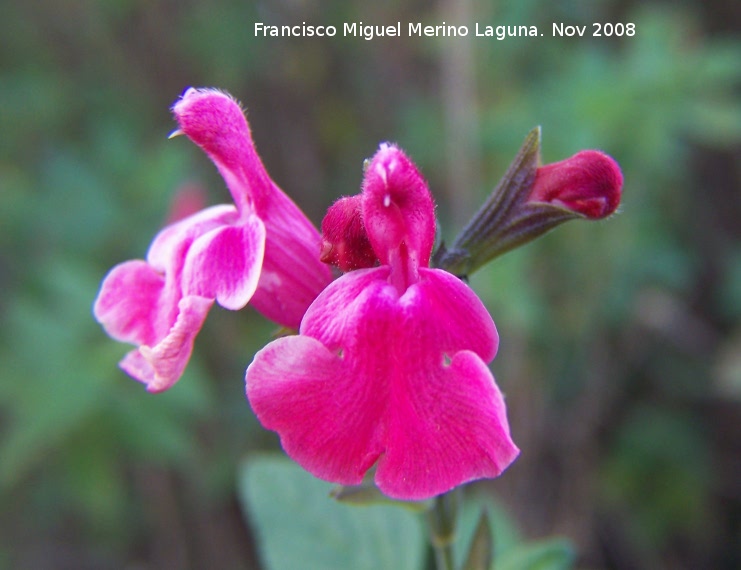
[
  {"x": 444, "y": 558},
  {"x": 442, "y": 520}
]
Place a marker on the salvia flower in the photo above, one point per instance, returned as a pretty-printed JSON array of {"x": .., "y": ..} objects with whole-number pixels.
[
  {"x": 261, "y": 250},
  {"x": 532, "y": 199},
  {"x": 389, "y": 368}
]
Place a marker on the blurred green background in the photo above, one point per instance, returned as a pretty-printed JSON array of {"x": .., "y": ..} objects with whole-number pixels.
[{"x": 620, "y": 340}]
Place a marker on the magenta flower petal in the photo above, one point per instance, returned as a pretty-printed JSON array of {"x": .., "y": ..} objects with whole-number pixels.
[
  {"x": 458, "y": 319},
  {"x": 160, "y": 366},
  {"x": 137, "y": 304},
  {"x": 398, "y": 211},
  {"x": 214, "y": 121},
  {"x": 160, "y": 304},
  {"x": 292, "y": 275},
  {"x": 168, "y": 250},
  {"x": 327, "y": 421},
  {"x": 225, "y": 263},
  {"x": 380, "y": 377},
  {"x": 446, "y": 426},
  {"x": 133, "y": 304}
]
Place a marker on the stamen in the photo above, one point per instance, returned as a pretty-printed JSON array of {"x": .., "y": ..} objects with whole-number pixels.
[{"x": 387, "y": 200}]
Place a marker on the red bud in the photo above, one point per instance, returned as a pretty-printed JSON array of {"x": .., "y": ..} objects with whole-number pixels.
[
  {"x": 589, "y": 183},
  {"x": 344, "y": 239}
]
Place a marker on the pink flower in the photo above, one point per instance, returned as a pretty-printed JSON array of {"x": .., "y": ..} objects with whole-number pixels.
[
  {"x": 160, "y": 304},
  {"x": 263, "y": 250},
  {"x": 390, "y": 366}
]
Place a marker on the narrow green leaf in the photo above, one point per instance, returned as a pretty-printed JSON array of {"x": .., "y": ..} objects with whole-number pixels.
[
  {"x": 503, "y": 532},
  {"x": 481, "y": 551},
  {"x": 368, "y": 494}
]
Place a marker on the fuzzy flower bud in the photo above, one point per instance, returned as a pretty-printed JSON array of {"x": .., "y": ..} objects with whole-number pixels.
[
  {"x": 589, "y": 183},
  {"x": 530, "y": 200},
  {"x": 345, "y": 242}
]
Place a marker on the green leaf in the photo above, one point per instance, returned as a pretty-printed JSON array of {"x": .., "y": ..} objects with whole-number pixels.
[
  {"x": 51, "y": 384},
  {"x": 510, "y": 551},
  {"x": 549, "y": 554},
  {"x": 368, "y": 494},
  {"x": 504, "y": 535},
  {"x": 481, "y": 551},
  {"x": 298, "y": 525}
]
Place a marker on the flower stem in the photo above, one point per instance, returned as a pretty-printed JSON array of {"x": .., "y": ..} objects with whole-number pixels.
[{"x": 442, "y": 521}]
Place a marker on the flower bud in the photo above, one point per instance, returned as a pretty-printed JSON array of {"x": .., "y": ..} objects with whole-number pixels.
[
  {"x": 588, "y": 183},
  {"x": 344, "y": 239},
  {"x": 531, "y": 200}
]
